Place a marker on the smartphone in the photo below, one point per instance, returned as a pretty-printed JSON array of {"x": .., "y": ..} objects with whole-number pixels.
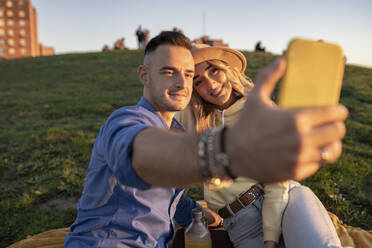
[{"x": 314, "y": 74}]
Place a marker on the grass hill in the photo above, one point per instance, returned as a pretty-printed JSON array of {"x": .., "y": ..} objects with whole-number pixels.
[{"x": 51, "y": 109}]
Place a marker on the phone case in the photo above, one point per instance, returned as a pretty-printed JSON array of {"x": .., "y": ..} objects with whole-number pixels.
[{"x": 314, "y": 74}]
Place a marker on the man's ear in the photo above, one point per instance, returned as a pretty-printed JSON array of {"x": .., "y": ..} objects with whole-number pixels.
[{"x": 143, "y": 74}]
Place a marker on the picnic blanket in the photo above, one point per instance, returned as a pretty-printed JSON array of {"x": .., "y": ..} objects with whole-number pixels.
[{"x": 349, "y": 236}]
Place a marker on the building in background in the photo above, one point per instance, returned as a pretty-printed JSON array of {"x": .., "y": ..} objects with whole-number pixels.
[
  {"x": 18, "y": 31},
  {"x": 206, "y": 40}
]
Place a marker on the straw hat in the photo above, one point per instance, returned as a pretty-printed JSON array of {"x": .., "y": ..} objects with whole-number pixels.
[{"x": 234, "y": 58}]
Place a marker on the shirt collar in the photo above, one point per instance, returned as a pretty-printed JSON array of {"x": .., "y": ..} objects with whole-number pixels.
[
  {"x": 175, "y": 125},
  {"x": 143, "y": 102}
]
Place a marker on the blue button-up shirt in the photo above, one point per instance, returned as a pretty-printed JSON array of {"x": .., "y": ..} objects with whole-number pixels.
[{"x": 117, "y": 208}]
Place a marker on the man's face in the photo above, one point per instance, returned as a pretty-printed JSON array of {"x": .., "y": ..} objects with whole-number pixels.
[{"x": 171, "y": 72}]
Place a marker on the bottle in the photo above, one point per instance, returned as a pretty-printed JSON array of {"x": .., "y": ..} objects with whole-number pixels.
[{"x": 197, "y": 234}]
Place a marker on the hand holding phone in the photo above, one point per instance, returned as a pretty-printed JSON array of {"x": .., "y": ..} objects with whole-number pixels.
[{"x": 314, "y": 74}]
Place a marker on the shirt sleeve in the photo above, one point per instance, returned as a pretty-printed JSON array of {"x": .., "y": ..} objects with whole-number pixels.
[
  {"x": 118, "y": 135},
  {"x": 183, "y": 211},
  {"x": 275, "y": 201}
]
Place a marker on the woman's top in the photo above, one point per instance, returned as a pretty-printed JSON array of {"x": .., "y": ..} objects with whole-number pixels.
[{"x": 276, "y": 194}]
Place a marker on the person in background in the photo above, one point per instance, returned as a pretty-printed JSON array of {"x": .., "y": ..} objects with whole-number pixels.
[
  {"x": 259, "y": 47},
  {"x": 140, "y": 37},
  {"x": 146, "y": 37},
  {"x": 175, "y": 29},
  {"x": 252, "y": 212}
]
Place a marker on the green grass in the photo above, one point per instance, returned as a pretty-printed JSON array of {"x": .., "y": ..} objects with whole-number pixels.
[{"x": 51, "y": 111}]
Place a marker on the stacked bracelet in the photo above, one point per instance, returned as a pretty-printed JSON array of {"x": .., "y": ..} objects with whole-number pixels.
[
  {"x": 222, "y": 157},
  {"x": 211, "y": 160},
  {"x": 202, "y": 158},
  {"x": 210, "y": 172}
]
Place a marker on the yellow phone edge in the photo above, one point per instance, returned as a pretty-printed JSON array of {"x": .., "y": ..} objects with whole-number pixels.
[{"x": 314, "y": 74}]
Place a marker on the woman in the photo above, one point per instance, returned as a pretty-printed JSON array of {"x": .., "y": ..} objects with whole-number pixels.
[{"x": 288, "y": 211}]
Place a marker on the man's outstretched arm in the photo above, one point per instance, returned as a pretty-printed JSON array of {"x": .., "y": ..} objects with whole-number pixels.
[{"x": 267, "y": 143}]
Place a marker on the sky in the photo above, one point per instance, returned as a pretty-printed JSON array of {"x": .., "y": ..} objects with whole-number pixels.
[{"x": 87, "y": 25}]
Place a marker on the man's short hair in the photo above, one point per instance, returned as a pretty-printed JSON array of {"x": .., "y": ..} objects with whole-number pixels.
[{"x": 170, "y": 38}]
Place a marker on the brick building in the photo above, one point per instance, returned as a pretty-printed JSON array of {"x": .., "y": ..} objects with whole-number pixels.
[
  {"x": 18, "y": 30},
  {"x": 206, "y": 40}
]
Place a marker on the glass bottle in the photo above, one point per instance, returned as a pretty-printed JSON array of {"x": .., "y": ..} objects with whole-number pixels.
[{"x": 197, "y": 234}]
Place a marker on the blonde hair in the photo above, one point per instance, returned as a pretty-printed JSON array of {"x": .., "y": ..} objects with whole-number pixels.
[{"x": 205, "y": 112}]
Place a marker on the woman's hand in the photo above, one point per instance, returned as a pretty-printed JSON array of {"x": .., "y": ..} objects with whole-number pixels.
[{"x": 213, "y": 219}]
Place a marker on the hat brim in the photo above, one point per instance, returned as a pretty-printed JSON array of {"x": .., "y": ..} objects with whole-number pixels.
[{"x": 230, "y": 56}]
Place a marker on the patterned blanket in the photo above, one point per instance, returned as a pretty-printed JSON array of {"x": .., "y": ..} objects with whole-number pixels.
[{"x": 349, "y": 236}]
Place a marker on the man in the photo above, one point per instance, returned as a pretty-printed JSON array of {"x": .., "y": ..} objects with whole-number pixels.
[
  {"x": 117, "y": 208},
  {"x": 140, "y": 37},
  {"x": 259, "y": 47},
  {"x": 139, "y": 157}
]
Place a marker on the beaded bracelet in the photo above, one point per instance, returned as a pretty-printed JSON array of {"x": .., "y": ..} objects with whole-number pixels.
[
  {"x": 211, "y": 159},
  {"x": 202, "y": 158},
  {"x": 211, "y": 174},
  {"x": 222, "y": 157}
]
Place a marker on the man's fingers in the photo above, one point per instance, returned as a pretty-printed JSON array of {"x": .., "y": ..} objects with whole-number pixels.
[
  {"x": 306, "y": 170},
  {"x": 334, "y": 150},
  {"x": 267, "y": 78},
  {"x": 326, "y": 134},
  {"x": 314, "y": 154},
  {"x": 316, "y": 116}
]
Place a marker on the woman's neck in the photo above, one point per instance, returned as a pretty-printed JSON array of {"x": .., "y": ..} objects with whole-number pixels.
[{"x": 233, "y": 98}]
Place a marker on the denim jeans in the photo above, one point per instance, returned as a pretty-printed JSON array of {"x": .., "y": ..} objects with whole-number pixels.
[{"x": 305, "y": 223}]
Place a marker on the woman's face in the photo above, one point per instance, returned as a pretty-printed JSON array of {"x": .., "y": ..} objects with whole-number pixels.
[{"x": 211, "y": 84}]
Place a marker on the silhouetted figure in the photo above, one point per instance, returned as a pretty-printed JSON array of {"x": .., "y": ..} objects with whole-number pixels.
[
  {"x": 175, "y": 29},
  {"x": 140, "y": 37},
  {"x": 106, "y": 48},
  {"x": 205, "y": 39},
  {"x": 146, "y": 39},
  {"x": 116, "y": 45},
  {"x": 119, "y": 44},
  {"x": 259, "y": 48}
]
